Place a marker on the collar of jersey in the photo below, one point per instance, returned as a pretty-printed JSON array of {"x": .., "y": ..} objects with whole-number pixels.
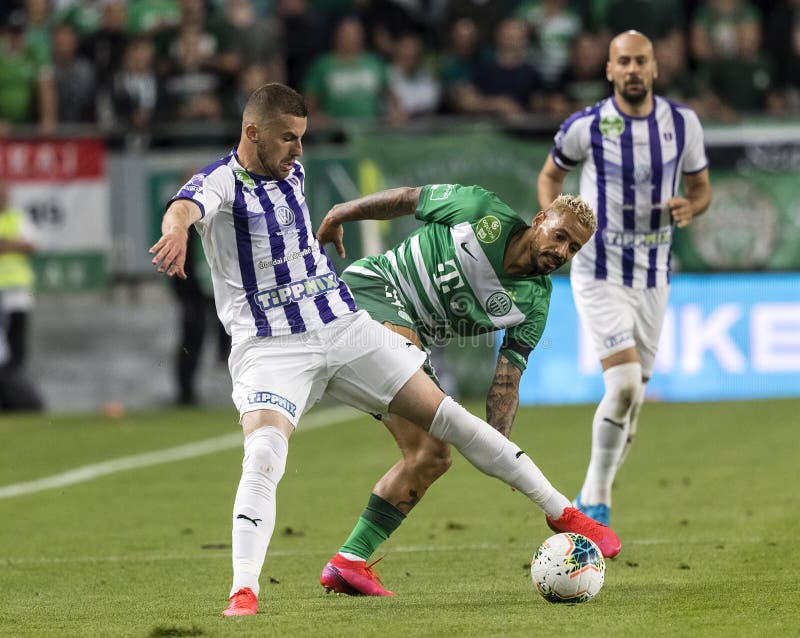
[
  {"x": 650, "y": 115},
  {"x": 256, "y": 176}
]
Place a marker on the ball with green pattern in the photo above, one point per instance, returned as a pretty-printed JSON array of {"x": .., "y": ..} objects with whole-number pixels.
[{"x": 568, "y": 568}]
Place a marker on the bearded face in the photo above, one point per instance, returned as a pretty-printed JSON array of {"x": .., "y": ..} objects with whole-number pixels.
[{"x": 631, "y": 67}]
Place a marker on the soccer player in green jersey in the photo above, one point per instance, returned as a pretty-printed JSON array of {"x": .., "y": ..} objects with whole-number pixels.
[{"x": 474, "y": 267}]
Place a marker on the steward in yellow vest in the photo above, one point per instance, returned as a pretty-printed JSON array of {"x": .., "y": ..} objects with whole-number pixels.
[
  {"x": 16, "y": 278},
  {"x": 16, "y": 272}
]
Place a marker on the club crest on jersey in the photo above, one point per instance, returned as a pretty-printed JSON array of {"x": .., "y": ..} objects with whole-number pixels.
[
  {"x": 488, "y": 229},
  {"x": 612, "y": 126},
  {"x": 295, "y": 291},
  {"x": 284, "y": 215},
  {"x": 244, "y": 178},
  {"x": 498, "y": 304}
]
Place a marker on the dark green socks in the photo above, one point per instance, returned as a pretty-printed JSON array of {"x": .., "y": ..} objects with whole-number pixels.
[{"x": 376, "y": 523}]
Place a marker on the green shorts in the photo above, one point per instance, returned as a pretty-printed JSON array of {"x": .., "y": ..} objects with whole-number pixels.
[{"x": 383, "y": 303}]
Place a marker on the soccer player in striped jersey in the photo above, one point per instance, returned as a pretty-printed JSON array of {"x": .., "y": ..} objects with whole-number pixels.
[
  {"x": 296, "y": 334},
  {"x": 634, "y": 149},
  {"x": 474, "y": 267}
]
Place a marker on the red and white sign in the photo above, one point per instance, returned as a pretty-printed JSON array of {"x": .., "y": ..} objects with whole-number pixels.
[
  {"x": 63, "y": 186},
  {"x": 36, "y": 160}
]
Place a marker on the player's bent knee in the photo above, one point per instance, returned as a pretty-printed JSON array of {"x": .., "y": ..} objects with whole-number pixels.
[
  {"x": 622, "y": 384},
  {"x": 266, "y": 450},
  {"x": 624, "y": 398}
]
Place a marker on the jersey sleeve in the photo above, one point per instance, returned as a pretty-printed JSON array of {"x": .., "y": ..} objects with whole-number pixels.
[
  {"x": 519, "y": 341},
  {"x": 572, "y": 141},
  {"x": 209, "y": 189},
  {"x": 452, "y": 204},
  {"x": 694, "y": 157}
]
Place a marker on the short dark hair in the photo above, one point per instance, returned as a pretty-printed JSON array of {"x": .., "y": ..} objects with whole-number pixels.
[{"x": 274, "y": 97}]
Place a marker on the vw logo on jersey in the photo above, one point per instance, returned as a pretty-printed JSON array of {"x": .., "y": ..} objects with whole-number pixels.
[
  {"x": 284, "y": 215},
  {"x": 498, "y": 304}
]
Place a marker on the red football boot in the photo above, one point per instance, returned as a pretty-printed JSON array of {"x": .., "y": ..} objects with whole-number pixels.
[
  {"x": 573, "y": 520},
  {"x": 243, "y": 603},
  {"x": 352, "y": 577}
]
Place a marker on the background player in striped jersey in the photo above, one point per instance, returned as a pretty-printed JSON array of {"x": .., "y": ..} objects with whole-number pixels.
[
  {"x": 296, "y": 334},
  {"x": 474, "y": 267},
  {"x": 633, "y": 149}
]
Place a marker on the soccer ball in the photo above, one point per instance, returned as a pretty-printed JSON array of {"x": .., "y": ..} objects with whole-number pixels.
[{"x": 568, "y": 568}]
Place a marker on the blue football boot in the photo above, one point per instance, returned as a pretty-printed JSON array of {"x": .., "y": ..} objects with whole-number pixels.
[{"x": 600, "y": 512}]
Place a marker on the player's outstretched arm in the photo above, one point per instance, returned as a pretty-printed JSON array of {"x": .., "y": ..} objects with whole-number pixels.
[
  {"x": 387, "y": 204},
  {"x": 550, "y": 183},
  {"x": 169, "y": 252},
  {"x": 503, "y": 398}
]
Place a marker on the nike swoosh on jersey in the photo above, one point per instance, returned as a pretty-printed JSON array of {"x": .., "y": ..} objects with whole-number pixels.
[{"x": 465, "y": 248}]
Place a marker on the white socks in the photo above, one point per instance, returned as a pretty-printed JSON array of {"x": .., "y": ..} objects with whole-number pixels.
[
  {"x": 610, "y": 430},
  {"x": 265, "y": 452},
  {"x": 636, "y": 408},
  {"x": 495, "y": 455}
]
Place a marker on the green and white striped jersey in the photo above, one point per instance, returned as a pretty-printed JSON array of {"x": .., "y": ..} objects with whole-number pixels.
[{"x": 450, "y": 274}]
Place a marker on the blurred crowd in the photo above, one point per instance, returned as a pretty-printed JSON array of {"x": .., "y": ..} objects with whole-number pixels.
[{"x": 129, "y": 65}]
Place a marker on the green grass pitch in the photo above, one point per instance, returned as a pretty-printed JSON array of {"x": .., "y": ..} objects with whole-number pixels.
[{"x": 707, "y": 507}]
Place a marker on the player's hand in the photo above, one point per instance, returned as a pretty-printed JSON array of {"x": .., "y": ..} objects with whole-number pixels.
[
  {"x": 170, "y": 253},
  {"x": 681, "y": 210},
  {"x": 331, "y": 232}
]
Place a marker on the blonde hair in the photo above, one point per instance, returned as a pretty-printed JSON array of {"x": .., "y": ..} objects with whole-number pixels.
[{"x": 574, "y": 205}]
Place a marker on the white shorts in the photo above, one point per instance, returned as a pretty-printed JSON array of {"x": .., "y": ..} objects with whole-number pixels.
[
  {"x": 618, "y": 317},
  {"x": 354, "y": 359}
]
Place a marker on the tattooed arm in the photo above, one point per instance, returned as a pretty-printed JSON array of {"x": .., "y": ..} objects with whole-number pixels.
[
  {"x": 503, "y": 398},
  {"x": 388, "y": 204}
]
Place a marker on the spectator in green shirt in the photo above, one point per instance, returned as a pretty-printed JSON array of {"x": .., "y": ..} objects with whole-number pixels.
[
  {"x": 151, "y": 16},
  {"x": 39, "y": 24},
  {"x": 553, "y": 25},
  {"x": 726, "y": 41},
  {"x": 349, "y": 82},
  {"x": 458, "y": 66},
  {"x": 27, "y": 93}
]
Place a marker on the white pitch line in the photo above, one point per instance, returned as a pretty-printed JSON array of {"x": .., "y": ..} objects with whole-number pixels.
[
  {"x": 216, "y": 554},
  {"x": 180, "y": 453}
]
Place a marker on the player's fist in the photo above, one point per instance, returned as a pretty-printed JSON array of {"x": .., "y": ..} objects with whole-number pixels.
[
  {"x": 169, "y": 252},
  {"x": 331, "y": 232},
  {"x": 681, "y": 210}
]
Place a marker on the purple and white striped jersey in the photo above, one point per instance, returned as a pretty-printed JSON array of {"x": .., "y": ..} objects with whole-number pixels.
[
  {"x": 631, "y": 167},
  {"x": 270, "y": 275}
]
